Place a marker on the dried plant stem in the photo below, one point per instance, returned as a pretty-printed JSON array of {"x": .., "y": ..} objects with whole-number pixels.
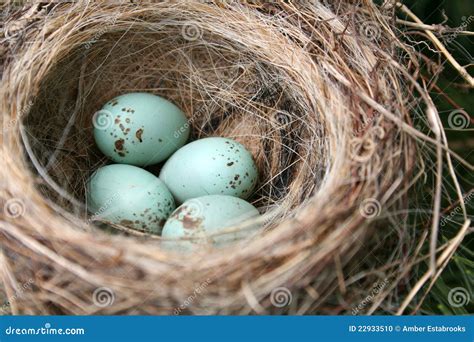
[
  {"x": 462, "y": 71},
  {"x": 434, "y": 28},
  {"x": 441, "y": 262}
]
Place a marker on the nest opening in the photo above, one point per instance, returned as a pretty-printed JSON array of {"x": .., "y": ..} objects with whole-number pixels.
[{"x": 225, "y": 88}]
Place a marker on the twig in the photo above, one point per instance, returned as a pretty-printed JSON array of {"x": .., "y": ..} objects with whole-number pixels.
[
  {"x": 462, "y": 71},
  {"x": 446, "y": 255},
  {"x": 435, "y": 28}
]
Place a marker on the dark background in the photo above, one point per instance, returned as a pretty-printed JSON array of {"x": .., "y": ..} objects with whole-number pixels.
[{"x": 453, "y": 95}]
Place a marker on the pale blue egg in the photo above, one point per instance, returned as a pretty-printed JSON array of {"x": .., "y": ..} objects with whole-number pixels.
[
  {"x": 140, "y": 129},
  {"x": 129, "y": 195},
  {"x": 209, "y": 220},
  {"x": 210, "y": 166}
]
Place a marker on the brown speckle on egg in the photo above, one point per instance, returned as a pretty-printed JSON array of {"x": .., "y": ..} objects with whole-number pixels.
[
  {"x": 139, "y": 134},
  {"x": 119, "y": 144},
  {"x": 190, "y": 222}
]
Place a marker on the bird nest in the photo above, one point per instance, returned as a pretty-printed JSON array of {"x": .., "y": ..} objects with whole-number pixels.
[{"x": 322, "y": 95}]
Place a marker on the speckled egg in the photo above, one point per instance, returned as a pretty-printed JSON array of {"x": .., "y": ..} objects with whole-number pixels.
[
  {"x": 209, "y": 220},
  {"x": 210, "y": 166},
  {"x": 128, "y": 195},
  {"x": 140, "y": 129}
]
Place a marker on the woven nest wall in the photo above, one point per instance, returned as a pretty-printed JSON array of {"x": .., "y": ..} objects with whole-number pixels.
[{"x": 314, "y": 90}]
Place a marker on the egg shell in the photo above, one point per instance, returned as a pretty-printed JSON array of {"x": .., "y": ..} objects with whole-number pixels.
[
  {"x": 140, "y": 129},
  {"x": 128, "y": 195},
  {"x": 210, "y": 166},
  {"x": 209, "y": 220}
]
